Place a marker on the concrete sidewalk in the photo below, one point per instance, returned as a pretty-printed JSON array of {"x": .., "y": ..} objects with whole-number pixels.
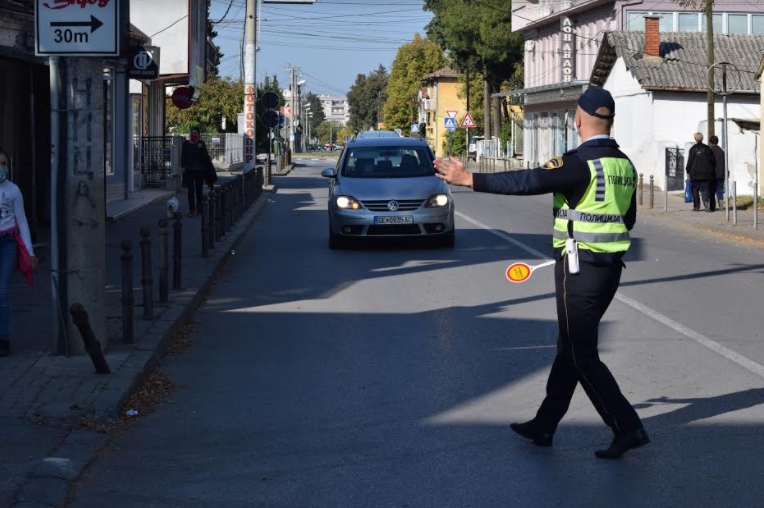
[{"x": 43, "y": 398}]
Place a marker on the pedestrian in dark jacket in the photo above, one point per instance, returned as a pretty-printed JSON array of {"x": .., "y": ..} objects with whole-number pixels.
[
  {"x": 701, "y": 169},
  {"x": 195, "y": 161},
  {"x": 718, "y": 189}
]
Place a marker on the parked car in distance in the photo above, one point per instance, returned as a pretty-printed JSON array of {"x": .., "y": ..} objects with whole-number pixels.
[
  {"x": 386, "y": 187},
  {"x": 472, "y": 148}
]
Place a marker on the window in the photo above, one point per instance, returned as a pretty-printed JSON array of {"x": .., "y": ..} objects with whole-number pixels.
[
  {"x": 559, "y": 133},
  {"x": 572, "y": 133},
  {"x": 718, "y": 25},
  {"x": 737, "y": 23},
  {"x": 757, "y": 24},
  {"x": 688, "y": 22},
  {"x": 635, "y": 20}
]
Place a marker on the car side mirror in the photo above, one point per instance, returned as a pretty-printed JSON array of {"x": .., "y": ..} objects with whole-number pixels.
[{"x": 328, "y": 173}]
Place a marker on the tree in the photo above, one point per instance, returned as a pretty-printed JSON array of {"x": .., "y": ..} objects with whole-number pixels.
[
  {"x": 365, "y": 99},
  {"x": 477, "y": 36},
  {"x": 213, "y": 61},
  {"x": 220, "y": 98},
  {"x": 316, "y": 110},
  {"x": 413, "y": 62},
  {"x": 329, "y": 131}
]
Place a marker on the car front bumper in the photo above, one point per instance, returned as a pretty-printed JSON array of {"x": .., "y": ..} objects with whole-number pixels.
[{"x": 361, "y": 223}]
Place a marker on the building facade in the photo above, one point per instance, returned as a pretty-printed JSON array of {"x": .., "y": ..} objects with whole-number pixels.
[
  {"x": 438, "y": 95},
  {"x": 659, "y": 83},
  {"x": 562, "y": 40}
]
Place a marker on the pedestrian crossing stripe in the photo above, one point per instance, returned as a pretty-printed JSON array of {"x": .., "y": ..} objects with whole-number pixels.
[{"x": 468, "y": 122}]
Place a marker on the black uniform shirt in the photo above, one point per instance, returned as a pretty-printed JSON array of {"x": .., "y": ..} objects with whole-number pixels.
[{"x": 568, "y": 175}]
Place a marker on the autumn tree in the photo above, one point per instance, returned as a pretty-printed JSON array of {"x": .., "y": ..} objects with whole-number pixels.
[
  {"x": 413, "y": 62},
  {"x": 220, "y": 98}
]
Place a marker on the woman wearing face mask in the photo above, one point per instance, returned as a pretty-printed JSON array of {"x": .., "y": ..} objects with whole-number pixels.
[
  {"x": 195, "y": 161},
  {"x": 15, "y": 246}
]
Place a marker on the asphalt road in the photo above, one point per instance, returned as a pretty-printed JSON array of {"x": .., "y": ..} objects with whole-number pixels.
[{"x": 386, "y": 376}]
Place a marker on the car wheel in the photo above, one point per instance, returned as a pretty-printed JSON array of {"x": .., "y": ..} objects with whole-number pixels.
[{"x": 448, "y": 240}]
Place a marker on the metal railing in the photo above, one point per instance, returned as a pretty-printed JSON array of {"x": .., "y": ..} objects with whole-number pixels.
[{"x": 159, "y": 158}]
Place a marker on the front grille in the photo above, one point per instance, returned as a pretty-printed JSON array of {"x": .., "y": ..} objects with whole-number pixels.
[
  {"x": 404, "y": 205},
  {"x": 394, "y": 229}
]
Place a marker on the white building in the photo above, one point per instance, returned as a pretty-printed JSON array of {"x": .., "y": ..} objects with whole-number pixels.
[
  {"x": 336, "y": 109},
  {"x": 660, "y": 99}
]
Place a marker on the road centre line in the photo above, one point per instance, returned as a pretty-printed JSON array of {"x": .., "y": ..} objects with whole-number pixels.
[{"x": 714, "y": 346}]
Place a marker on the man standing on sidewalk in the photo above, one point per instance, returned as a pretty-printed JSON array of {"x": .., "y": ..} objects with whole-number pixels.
[
  {"x": 701, "y": 168},
  {"x": 718, "y": 189}
]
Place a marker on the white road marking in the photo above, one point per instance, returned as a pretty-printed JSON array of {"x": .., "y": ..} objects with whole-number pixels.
[{"x": 714, "y": 346}]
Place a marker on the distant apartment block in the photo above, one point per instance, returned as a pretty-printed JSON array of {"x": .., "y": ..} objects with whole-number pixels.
[{"x": 335, "y": 108}]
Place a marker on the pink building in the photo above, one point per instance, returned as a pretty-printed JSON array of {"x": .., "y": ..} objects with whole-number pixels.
[{"x": 562, "y": 40}]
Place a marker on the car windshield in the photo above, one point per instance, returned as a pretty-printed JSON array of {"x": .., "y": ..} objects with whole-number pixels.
[
  {"x": 377, "y": 134},
  {"x": 387, "y": 162}
]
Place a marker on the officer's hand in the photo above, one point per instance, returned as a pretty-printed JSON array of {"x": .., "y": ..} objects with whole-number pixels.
[{"x": 452, "y": 171}]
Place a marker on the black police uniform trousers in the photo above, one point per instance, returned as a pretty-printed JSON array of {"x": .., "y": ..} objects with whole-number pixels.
[{"x": 582, "y": 300}]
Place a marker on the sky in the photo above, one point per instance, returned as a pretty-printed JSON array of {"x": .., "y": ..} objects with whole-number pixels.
[{"x": 330, "y": 41}]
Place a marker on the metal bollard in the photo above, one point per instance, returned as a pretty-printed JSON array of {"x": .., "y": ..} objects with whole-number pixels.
[
  {"x": 734, "y": 203},
  {"x": 641, "y": 189},
  {"x": 211, "y": 200},
  {"x": 146, "y": 280},
  {"x": 229, "y": 207},
  {"x": 245, "y": 189},
  {"x": 205, "y": 226},
  {"x": 128, "y": 300},
  {"x": 177, "y": 250},
  {"x": 219, "y": 214},
  {"x": 92, "y": 346},
  {"x": 652, "y": 192},
  {"x": 164, "y": 269}
]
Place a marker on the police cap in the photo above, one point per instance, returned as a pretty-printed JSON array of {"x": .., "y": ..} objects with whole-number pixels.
[{"x": 594, "y": 98}]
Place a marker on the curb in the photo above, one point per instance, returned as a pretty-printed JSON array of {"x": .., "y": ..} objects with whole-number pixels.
[{"x": 51, "y": 480}]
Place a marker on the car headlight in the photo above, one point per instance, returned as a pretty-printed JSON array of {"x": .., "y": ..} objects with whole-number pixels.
[
  {"x": 347, "y": 203},
  {"x": 437, "y": 201}
]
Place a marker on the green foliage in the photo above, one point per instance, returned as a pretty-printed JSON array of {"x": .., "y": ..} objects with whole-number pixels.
[
  {"x": 458, "y": 140},
  {"x": 477, "y": 35},
  {"x": 327, "y": 128},
  {"x": 220, "y": 98},
  {"x": 413, "y": 62},
  {"x": 365, "y": 99},
  {"x": 316, "y": 110}
]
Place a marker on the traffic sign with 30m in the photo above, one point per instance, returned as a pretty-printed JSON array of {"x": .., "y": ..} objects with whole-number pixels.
[{"x": 77, "y": 27}]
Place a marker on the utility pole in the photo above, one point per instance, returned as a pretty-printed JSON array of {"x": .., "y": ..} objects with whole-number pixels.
[
  {"x": 487, "y": 109},
  {"x": 250, "y": 86},
  {"x": 292, "y": 96},
  {"x": 709, "y": 8},
  {"x": 83, "y": 198}
]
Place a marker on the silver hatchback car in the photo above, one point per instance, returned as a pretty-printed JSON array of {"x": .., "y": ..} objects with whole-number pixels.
[{"x": 386, "y": 187}]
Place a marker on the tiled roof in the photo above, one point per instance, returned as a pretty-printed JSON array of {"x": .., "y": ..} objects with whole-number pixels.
[
  {"x": 682, "y": 64},
  {"x": 445, "y": 72}
]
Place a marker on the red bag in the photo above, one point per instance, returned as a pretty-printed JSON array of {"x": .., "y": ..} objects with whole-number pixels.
[{"x": 24, "y": 260}]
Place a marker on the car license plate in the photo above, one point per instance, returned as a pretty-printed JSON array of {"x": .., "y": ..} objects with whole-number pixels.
[{"x": 405, "y": 219}]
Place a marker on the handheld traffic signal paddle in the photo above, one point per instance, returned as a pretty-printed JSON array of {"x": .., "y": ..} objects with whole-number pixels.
[{"x": 520, "y": 272}]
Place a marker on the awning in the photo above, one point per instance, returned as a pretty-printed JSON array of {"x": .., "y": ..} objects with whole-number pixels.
[{"x": 557, "y": 92}]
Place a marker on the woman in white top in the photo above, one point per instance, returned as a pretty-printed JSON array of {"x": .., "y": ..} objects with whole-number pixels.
[{"x": 14, "y": 237}]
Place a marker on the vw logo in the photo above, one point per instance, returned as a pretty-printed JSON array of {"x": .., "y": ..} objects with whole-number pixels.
[{"x": 392, "y": 206}]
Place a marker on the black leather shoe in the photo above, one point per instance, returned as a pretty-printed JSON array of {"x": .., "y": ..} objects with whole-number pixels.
[
  {"x": 623, "y": 443},
  {"x": 530, "y": 430},
  {"x": 5, "y": 348}
]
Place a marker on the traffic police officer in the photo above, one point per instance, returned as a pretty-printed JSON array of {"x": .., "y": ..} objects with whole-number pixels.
[{"x": 594, "y": 210}]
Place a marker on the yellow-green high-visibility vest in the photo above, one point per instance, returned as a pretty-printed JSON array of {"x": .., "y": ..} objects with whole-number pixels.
[{"x": 598, "y": 220}]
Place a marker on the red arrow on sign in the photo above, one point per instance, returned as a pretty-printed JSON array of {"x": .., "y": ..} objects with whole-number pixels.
[{"x": 467, "y": 122}]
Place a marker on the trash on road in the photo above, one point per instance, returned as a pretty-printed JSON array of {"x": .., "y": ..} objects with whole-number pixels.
[{"x": 131, "y": 412}]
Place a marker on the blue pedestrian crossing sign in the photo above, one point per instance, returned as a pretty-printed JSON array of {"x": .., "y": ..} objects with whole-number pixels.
[{"x": 450, "y": 124}]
